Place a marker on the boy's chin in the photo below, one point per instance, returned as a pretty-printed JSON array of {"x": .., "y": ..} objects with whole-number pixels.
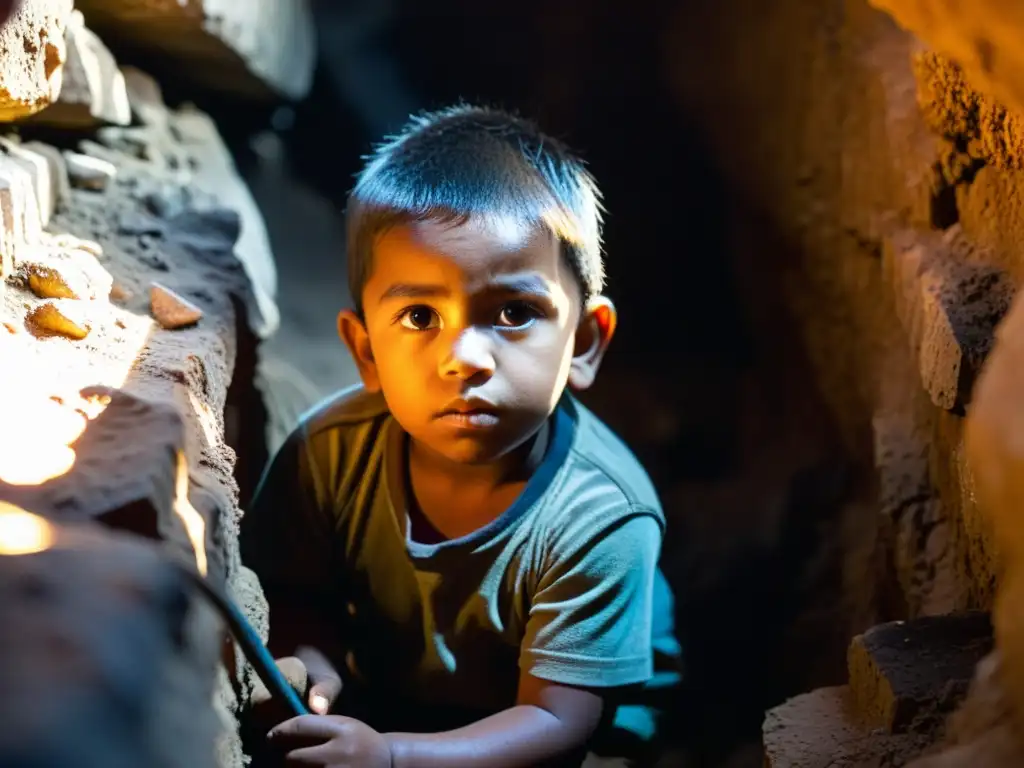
[{"x": 470, "y": 451}]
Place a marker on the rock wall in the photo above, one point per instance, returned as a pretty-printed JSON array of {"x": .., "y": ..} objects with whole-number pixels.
[
  {"x": 886, "y": 193},
  {"x": 135, "y": 282}
]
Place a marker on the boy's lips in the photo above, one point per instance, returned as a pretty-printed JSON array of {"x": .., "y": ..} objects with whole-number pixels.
[{"x": 472, "y": 413}]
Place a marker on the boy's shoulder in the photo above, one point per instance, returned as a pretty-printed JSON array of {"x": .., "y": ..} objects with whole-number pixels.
[
  {"x": 599, "y": 460},
  {"x": 348, "y": 407},
  {"x": 596, "y": 468}
]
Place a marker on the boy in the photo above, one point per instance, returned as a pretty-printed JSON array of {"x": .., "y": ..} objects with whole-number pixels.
[{"x": 472, "y": 546}]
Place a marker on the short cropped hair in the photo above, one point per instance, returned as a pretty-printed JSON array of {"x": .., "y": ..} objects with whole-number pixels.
[{"x": 468, "y": 161}]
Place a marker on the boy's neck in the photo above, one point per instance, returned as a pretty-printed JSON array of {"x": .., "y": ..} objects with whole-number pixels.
[
  {"x": 449, "y": 500},
  {"x": 517, "y": 466}
]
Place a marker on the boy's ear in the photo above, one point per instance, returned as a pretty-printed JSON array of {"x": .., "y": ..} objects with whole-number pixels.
[
  {"x": 353, "y": 333},
  {"x": 593, "y": 336}
]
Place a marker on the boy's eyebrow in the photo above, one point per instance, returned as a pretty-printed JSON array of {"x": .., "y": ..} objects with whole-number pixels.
[
  {"x": 413, "y": 291},
  {"x": 531, "y": 284}
]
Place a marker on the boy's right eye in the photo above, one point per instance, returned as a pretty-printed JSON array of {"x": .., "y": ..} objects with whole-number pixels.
[{"x": 420, "y": 319}]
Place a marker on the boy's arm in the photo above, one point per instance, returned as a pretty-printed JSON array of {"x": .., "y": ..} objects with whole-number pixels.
[{"x": 548, "y": 721}]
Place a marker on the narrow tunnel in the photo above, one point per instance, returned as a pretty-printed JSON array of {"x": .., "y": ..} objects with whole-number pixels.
[{"x": 812, "y": 233}]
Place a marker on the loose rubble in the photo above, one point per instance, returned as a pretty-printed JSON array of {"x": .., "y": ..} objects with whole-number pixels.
[
  {"x": 87, "y": 172},
  {"x": 64, "y": 319},
  {"x": 171, "y": 310}
]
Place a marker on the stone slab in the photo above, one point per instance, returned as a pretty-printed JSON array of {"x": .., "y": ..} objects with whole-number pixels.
[
  {"x": 93, "y": 90},
  {"x": 949, "y": 303},
  {"x": 255, "y": 49},
  {"x": 32, "y": 55},
  {"x": 909, "y": 675}
]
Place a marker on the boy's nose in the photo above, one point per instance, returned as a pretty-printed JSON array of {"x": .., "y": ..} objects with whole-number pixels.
[{"x": 470, "y": 355}]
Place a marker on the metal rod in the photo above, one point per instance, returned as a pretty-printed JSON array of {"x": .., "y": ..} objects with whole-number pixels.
[{"x": 243, "y": 632}]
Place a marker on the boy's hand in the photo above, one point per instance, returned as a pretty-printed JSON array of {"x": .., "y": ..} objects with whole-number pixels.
[
  {"x": 324, "y": 681},
  {"x": 331, "y": 741}
]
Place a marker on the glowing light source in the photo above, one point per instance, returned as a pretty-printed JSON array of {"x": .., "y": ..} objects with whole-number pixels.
[
  {"x": 21, "y": 532},
  {"x": 194, "y": 524}
]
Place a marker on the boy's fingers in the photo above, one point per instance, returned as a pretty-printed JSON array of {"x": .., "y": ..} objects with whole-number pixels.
[
  {"x": 308, "y": 756},
  {"x": 304, "y": 727},
  {"x": 325, "y": 682},
  {"x": 319, "y": 702},
  {"x": 323, "y": 694}
]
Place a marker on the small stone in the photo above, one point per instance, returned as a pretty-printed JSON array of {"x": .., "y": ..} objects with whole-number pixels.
[
  {"x": 155, "y": 261},
  {"x": 119, "y": 293},
  {"x": 50, "y": 318},
  {"x": 166, "y": 201},
  {"x": 144, "y": 97},
  {"x": 171, "y": 310},
  {"x": 40, "y": 171},
  {"x": 89, "y": 172},
  {"x": 72, "y": 243},
  {"x": 48, "y": 283},
  {"x": 135, "y": 223},
  {"x": 68, "y": 274},
  {"x": 21, "y": 226},
  {"x": 61, "y": 184}
]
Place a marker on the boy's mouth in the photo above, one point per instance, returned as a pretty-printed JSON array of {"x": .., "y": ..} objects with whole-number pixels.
[{"x": 474, "y": 413}]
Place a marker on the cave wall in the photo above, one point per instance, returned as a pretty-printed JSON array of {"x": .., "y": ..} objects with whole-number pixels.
[
  {"x": 136, "y": 283},
  {"x": 891, "y": 177},
  {"x": 855, "y": 146}
]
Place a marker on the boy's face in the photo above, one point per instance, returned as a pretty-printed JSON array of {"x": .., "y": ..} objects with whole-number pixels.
[{"x": 472, "y": 332}]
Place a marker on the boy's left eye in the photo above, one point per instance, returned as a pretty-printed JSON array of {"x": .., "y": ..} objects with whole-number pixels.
[{"x": 517, "y": 314}]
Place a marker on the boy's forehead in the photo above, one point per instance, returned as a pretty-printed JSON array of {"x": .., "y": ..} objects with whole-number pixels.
[
  {"x": 490, "y": 245},
  {"x": 495, "y": 232}
]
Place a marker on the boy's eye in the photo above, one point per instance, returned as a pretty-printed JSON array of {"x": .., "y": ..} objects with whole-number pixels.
[
  {"x": 517, "y": 314},
  {"x": 420, "y": 319}
]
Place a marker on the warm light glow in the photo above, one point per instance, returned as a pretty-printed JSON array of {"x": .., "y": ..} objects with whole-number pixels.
[
  {"x": 21, "y": 532},
  {"x": 207, "y": 421},
  {"x": 195, "y": 526},
  {"x": 41, "y": 409}
]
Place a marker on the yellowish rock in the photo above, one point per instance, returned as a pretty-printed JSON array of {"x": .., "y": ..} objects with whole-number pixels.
[
  {"x": 60, "y": 318},
  {"x": 48, "y": 283},
  {"x": 171, "y": 310},
  {"x": 68, "y": 274}
]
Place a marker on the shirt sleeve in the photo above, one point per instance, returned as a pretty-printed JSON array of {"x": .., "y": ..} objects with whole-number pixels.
[
  {"x": 285, "y": 534},
  {"x": 590, "y": 620}
]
